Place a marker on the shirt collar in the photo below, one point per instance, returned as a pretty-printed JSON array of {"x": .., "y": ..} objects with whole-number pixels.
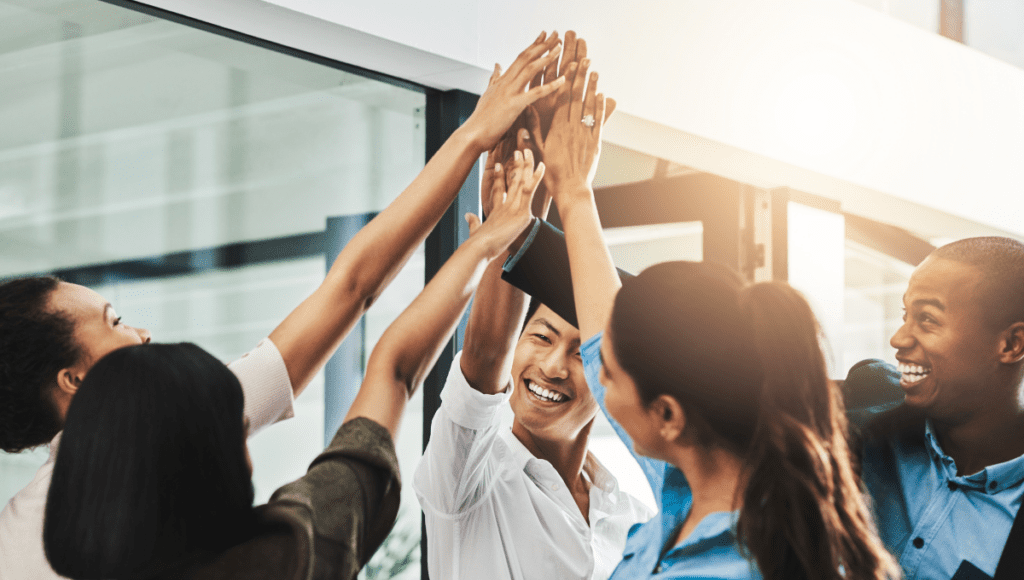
[
  {"x": 525, "y": 461},
  {"x": 992, "y": 479}
]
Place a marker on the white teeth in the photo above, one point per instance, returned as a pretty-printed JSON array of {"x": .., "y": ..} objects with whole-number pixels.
[
  {"x": 912, "y": 373},
  {"x": 544, "y": 393}
]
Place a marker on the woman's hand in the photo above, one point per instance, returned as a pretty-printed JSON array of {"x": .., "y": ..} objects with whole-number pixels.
[
  {"x": 506, "y": 95},
  {"x": 573, "y": 145},
  {"x": 509, "y": 202}
]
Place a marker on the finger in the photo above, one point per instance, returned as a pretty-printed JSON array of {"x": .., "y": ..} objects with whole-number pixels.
[
  {"x": 495, "y": 75},
  {"x": 590, "y": 100},
  {"x": 538, "y": 176},
  {"x": 609, "y": 108},
  {"x": 493, "y": 177},
  {"x": 523, "y": 139},
  {"x": 534, "y": 68},
  {"x": 537, "y": 93},
  {"x": 532, "y": 53},
  {"x": 565, "y": 91},
  {"x": 515, "y": 178},
  {"x": 533, "y": 125},
  {"x": 581, "y": 49},
  {"x": 578, "y": 84},
  {"x": 473, "y": 221},
  {"x": 498, "y": 185},
  {"x": 602, "y": 114},
  {"x": 568, "y": 50}
]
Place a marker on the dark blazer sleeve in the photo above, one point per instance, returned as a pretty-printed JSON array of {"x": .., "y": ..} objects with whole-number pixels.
[
  {"x": 347, "y": 502},
  {"x": 541, "y": 269}
]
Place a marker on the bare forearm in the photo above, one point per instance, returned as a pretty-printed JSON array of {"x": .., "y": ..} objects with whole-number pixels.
[
  {"x": 410, "y": 346},
  {"x": 494, "y": 323},
  {"x": 594, "y": 279},
  {"x": 368, "y": 263}
]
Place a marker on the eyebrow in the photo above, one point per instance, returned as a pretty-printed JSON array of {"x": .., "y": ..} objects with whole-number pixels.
[
  {"x": 547, "y": 324},
  {"x": 929, "y": 302}
]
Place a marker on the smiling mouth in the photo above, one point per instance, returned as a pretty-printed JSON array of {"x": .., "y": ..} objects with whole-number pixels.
[
  {"x": 544, "y": 394},
  {"x": 912, "y": 374}
]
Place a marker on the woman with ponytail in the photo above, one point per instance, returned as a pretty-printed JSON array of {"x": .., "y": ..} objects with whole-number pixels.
[{"x": 721, "y": 391}]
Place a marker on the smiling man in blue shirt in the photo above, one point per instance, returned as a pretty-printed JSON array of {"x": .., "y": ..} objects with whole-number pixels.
[{"x": 946, "y": 468}]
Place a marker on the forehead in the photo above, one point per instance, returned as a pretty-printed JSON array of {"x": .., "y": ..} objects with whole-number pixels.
[
  {"x": 78, "y": 301},
  {"x": 956, "y": 285},
  {"x": 548, "y": 316}
]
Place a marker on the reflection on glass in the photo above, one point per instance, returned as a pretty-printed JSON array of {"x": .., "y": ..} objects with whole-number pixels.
[{"x": 127, "y": 138}]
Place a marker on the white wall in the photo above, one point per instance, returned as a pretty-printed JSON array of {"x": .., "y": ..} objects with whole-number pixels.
[{"x": 827, "y": 96}]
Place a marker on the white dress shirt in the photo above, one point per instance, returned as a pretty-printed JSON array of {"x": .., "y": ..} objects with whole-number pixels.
[
  {"x": 268, "y": 399},
  {"x": 495, "y": 511}
]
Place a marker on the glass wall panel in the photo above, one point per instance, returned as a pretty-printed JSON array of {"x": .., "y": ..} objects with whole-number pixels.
[{"x": 129, "y": 140}]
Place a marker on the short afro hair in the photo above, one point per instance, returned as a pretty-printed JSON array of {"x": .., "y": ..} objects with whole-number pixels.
[
  {"x": 1001, "y": 263},
  {"x": 35, "y": 344}
]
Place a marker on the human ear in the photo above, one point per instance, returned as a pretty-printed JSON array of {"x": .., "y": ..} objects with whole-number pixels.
[
  {"x": 669, "y": 416},
  {"x": 1012, "y": 351},
  {"x": 68, "y": 381}
]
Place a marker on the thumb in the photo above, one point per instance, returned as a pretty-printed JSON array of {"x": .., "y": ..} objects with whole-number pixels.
[{"x": 473, "y": 221}]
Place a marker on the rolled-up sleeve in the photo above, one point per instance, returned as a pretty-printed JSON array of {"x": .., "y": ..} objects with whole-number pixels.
[
  {"x": 455, "y": 472},
  {"x": 266, "y": 386}
]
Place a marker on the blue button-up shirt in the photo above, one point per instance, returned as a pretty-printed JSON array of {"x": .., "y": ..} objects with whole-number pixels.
[
  {"x": 940, "y": 525},
  {"x": 709, "y": 552}
]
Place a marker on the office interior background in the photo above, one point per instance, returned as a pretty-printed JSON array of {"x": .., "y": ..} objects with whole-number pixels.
[{"x": 200, "y": 166}]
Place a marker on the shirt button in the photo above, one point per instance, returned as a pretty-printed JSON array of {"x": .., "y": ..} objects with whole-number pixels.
[
  {"x": 554, "y": 486},
  {"x": 657, "y": 569},
  {"x": 918, "y": 542},
  {"x": 992, "y": 485},
  {"x": 952, "y": 485}
]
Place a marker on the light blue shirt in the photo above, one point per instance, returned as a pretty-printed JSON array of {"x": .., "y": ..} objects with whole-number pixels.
[
  {"x": 939, "y": 525},
  {"x": 709, "y": 552}
]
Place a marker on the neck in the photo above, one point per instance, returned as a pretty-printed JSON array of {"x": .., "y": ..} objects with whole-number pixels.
[
  {"x": 715, "y": 475},
  {"x": 989, "y": 436},
  {"x": 565, "y": 455}
]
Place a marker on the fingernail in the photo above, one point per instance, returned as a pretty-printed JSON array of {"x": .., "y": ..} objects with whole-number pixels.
[
  {"x": 540, "y": 37},
  {"x": 519, "y": 156},
  {"x": 525, "y": 134},
  {"x": 497, "y": 167}
]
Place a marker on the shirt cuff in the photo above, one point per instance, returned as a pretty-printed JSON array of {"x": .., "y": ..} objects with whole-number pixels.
[
  {"x": 466, "y": 406},
  {"x": 511, "y": 262},
  {"x": 268, "y": 390}
]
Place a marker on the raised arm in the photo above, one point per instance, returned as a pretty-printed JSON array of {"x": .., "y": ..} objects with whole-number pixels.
[
  {"x": 498, "y": 308},
  {"x": 308, "y": 336},
  {"x": 571, "y": 150},
  {"x": 410, "y": 346}
]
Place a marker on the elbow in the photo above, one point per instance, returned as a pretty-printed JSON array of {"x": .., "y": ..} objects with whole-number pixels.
[{"x": 355, "y": 287}]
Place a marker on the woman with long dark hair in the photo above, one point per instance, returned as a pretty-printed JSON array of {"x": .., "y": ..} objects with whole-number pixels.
[
  {"x": 153, "y": 481},
  {"x": 721, "y": 390}
]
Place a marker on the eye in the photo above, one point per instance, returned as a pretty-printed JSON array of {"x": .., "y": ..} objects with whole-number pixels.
[
  {"x": 117, "y": 321},
  {"x": 542, "y": 337}
]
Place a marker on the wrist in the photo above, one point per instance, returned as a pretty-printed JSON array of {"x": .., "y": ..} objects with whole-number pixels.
[{"x": 469, "y": 136}]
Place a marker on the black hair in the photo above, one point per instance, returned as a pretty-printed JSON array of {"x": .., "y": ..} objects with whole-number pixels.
[
  {"x": 1001, "y": 262},
  {"x": 151, "y": 468},
  {"x": 532, "y": 309},
  {"x": 35, "y": 344},
  {"x": 745, "y": 364}
]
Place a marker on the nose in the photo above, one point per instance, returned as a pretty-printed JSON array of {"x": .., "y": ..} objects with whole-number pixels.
[
  {"x": 144, "y": 335},
  {"x": 554, "y": 365},
  {"x": 903, "y": 339}
]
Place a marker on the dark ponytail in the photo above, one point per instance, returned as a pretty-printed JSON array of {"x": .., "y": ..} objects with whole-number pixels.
[
  {"x": 746, "y": 365},
  {"x": 804, "y": 516}
]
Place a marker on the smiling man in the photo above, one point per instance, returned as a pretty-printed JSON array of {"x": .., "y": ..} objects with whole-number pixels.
[
  {"x": 946, "y": 469},
  {"x": 530, "y": 501}
]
